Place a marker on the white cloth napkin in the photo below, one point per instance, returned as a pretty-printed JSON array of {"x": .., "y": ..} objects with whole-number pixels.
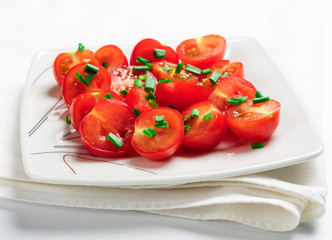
[{"x": 276, "y": 200}]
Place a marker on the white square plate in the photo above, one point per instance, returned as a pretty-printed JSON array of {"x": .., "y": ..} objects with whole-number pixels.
[{"x": 50, "y": 157}]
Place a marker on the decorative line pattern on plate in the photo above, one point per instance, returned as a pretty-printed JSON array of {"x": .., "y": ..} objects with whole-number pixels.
[{"x": 40, "y": 74}]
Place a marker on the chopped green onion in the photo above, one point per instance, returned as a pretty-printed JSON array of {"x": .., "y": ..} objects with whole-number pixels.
[
  {"x": 193, "y": 69},
  {"x": 215, "y": 77},
  {"x": 186, "y": 127},
  {"x": 178, "y": 68},
  {"x": 80, "y": 47},
  {"x": 143, "y": 60},
  {"x": 258, "y": 94},
  {"x": 150, "y": 95},
  {"x": 88, "y": 79},
  {"x": 149, "y": 84},
  {"x": 166, "y": 68},
  {"x": 115, "y": 140},
  {"x": 243, "y": 99},
  {"x": 93, "y": 70},
  {"x": 153, "y": 102},
  {"x": 108, "y": 96},
  {"x": 257, "y": 145},
  {"x": 159, "y": 53},
  {"x": 200, "y": 84},
  {"x": 165, "y": 80},
  {"x": 159, "y": 118},
  {"x": 187, "y": 117},
  {"x": 141, "y": 68},
  {"x": 105, "y": 64},
  {"x": 161, "y": 123},
  {"x": 194, "y": 113},
  {"x": 67, "y": 119},
  {"x": 80, "y": 77},
  {"x": 207, "y": 117},
  {"x": 226, "y": 74},
  {"x": 136, "y": 112},
  {"x": 260, "y": 100},
  {"x": 138, "y": 83},
  {"x": 149, "y": 132},
  {"x": 142, "y": 77},
  {"x": 124, "y": 92},
  {"x": 206, "y": 71},
  {"x": 234, "y": 101},
  {"x": 170, "y": 106}
]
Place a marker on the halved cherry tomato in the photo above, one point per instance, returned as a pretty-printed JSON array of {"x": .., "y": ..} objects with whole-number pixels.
[
  {"x": 223, "y": 66},
  {"x": 206, "y": 131},
  {"x": 85, "y": 102},
  {"x": 72, "y": 86},
  {"x": 136, "y": 98},
  {"x": 123, "y": 78},
  {"x": 181, "y": 95},
  {"x": 253, "y": 122},
  {"x": 158, "y": 69},
  {"x": 108, "y": 116},
  {"x": 231, "y": 87},
  {"x": 166, "y": 141},
  {"x": 145, "y": 48},
  {"x": 202, "y": 52},
  {"x": 111, "y": 57},
  {"x": 65, "y": 61}
]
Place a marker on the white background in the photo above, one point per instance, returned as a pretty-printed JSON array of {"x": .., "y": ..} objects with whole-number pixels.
[{"x": 297, "y": 34}]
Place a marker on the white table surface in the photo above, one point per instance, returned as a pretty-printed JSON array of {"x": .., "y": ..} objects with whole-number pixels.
[{"x": 296, "y": 33}]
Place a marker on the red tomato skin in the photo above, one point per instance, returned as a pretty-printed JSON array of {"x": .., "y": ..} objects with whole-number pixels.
[
  {"x": 231, "y": 87},
  {"x": 202, "y": 52},
  {"x": 204, "y": 135},
  {"x": 173, "y": 140},
  {"x": 113, "y": 56},
  {"x": 65, "y": 61},
  {"x": 84, "y": 103},
  {"x": 109, "y": 115},
  {"x": 257, "y": 129},
  {"x": 72, "y": 87},
  {"x": 181, "y": 95},
  {"x": 183, "y": 77},
  {"x": 144, "y": 49},
  {"x": 136, "y": 99}
]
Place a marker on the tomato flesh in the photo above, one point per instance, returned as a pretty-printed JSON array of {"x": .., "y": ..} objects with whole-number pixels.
[
  {"x": 202, "y": 52},
  {"x": 254, "y": 122},
  {"x": 203, "y": 135},
  {"x": 166, "y": 142},
  {"x": 112, "y": 56},
  {"x": 108, "y": 116},
  {"x": 136, "y": 99}
]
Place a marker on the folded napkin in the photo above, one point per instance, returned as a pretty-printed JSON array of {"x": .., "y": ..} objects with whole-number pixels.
[{"x": 276, "y": 200}]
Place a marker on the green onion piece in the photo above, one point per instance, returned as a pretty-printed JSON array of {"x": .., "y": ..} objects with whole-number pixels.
[
  {"x": 115, "y": 140},
  {"x": 153, "y": 102},
  {"x": 234, "y": 101},
  {"x": 194, "y": 113},
  {"x": 207, "y": 117},
  {"x": 162, "y": 124},
  {"x": 141, "y": 68},
  {"x": 243, "y": 99},
  {"x": 138, "y": 83},
  {"x": 215, "y": 77},
  {"x": 226, "y": 74},
  {"x": 170, "y": 106},
  {"x": 143, "y": 60},
  {"x": 80, "y": 47},
  {"x": 178, "y": 68},
  {"x": 186, "y": 127},
  {"x": 260, "y": 100},
  {"x": 124, "y": 92},
  {"x": 67, "y": 119},
  {"x": 159, "y": 53},
  {"x": 91, "y": 69},
  {"x": 149, "y": 132},
  {"x": 187, "y": 117},
  {"x": 200, "y": 84},
  {"x": 80, "y": 77},
  {"x": 165, "y": 80},
  {"x": 136, "y": 112},
  {"x": 105, "y": 64},
  {"x": 142, "y": 77},
  {"x": 159, "y": 118},
  {"x": 108, "y": 96},
  {"x": 150, "y": 95},
  {"x": 88, "y": 79},
  {"x": 149, "y": 84},
  {"x": 257, "y": 145},
  {"x": 193, "y": 69},
  {"x": 206, "y": 71},
  {"x": 166, "y": 68},
  {"x": 258, "y": 94}
]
